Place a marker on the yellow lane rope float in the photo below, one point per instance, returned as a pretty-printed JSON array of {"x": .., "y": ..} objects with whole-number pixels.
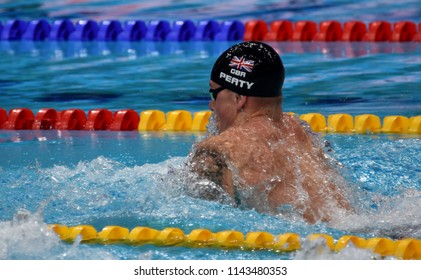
[
  {"x": 408, "y": 248},
  {"x": 181, "y": 120}
]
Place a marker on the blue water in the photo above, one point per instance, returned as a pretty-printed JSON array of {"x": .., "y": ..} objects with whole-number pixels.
[
  {"x": 319, "y": 77},
  {"x": 136, "y": 179},
  {"x": 199, "y": 9}
]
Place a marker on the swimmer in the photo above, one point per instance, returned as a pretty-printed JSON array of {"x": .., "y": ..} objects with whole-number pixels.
[{"x": 262, "y": 158}]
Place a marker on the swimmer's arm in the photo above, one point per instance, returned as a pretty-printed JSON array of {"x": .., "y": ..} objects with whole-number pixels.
[{"x": 211, "y": 165}]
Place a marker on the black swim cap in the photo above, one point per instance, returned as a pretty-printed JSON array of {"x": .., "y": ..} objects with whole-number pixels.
[{"x": 251, "y": 69}]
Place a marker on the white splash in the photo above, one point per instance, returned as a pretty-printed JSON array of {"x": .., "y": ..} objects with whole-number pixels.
[{"x": 27, "y": 236}]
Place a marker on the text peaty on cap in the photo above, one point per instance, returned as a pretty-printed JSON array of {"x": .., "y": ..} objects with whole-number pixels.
[{"x": 251, "y": 69}]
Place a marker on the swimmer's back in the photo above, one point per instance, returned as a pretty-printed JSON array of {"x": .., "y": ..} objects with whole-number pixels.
[{"x": 277, "y": 157}]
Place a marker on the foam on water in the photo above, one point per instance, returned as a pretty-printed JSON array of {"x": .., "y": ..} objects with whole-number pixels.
[
  {"x": 151, "y": 193},
  {"x": 27, "y": 236},
  {"x": 397, "y": 217},
  {"x": 318, "y": 250}
]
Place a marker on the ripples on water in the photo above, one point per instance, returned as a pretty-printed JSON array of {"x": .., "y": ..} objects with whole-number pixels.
[
  {"x": 199, "y": 9},
  {"x": 378, "y": 83}
]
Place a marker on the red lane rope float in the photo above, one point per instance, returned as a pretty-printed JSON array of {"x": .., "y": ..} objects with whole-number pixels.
[
  {"x": 403, "y": 31},
  {"x": 3, "y": 117},
  {"x": 377, "y": 31},
  {"x": 21, "y": 118},
  {"x": 255, "y": 30},
  {"x": 99, "y": 119},
  {"x": 125, "y": 120},
  {"x": 280, "y": 30},
  {"x": 46, "y": 118},
  {"x": 304, "y": 31},
  {"x": 354, "y": 31},
  {"x": 329, "y": 31},
  {"x": 72, "y": 119}
]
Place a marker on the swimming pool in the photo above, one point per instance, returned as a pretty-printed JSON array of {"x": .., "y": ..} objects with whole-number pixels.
[{"x": 132, "y": 178}]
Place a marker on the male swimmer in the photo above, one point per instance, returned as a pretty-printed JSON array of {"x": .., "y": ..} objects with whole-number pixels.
[{"x": 262, "y": 158}]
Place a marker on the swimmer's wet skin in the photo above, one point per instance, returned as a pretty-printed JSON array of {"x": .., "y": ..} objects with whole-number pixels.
[{"x": 262, "y": 158}]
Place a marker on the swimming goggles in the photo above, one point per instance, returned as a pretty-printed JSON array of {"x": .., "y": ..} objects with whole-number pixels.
[{"x": 214, "y": 92}]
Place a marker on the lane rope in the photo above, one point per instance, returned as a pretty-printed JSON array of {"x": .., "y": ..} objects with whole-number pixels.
[
  {"x": 407, "y": 248},
  {"x": 209, "y": 30},
  {"x": 183, "y": 120}
]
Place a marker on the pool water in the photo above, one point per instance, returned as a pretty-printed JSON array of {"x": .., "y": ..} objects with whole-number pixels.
[
  {"x": 136, "y": 178},
  {"x": 381, "y": 78}
]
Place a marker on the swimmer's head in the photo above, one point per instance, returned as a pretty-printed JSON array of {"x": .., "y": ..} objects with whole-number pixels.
[{"x": 250, "y": 69}]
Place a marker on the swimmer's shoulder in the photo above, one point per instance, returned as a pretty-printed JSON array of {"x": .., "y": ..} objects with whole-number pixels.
[
  {"x": 300, "y": 129},
  {"x": 210, "y": 161},
  {"x": 223, "y": 142},
  {"x": 213, "y": 151},
  {"x": 215, "y": 142},
  {"x": 291, "y": 118}
]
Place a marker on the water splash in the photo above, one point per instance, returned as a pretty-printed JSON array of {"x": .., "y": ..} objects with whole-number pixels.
[
  {"x": 212, "y": 128},
  {"x": 27, "y": 237},
  {"x": 397, "y": 217},
  {"x": 103, "y": 191},
  {"x": 318, "y": 250}
]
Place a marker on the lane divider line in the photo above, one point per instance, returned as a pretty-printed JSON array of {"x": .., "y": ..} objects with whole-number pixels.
[
  {"x": 407, "y": 248},
  {"x": 183, "y": 120},
  {"x": 209, "y": 30}
]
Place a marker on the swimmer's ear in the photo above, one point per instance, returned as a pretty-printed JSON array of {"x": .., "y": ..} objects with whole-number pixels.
[{"x": 241, "y": 101}]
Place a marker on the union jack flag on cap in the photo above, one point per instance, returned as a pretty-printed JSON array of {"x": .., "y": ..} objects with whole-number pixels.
[{"x": 241, "y": 63}]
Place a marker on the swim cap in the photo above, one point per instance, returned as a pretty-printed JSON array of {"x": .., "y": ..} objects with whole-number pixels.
[{"x": 251, "y": 69}]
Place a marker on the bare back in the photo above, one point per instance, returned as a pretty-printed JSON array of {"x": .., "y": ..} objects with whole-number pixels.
[{"x": 276, "y": 165}]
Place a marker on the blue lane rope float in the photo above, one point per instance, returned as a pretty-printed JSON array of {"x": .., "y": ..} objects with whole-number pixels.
[
  {"x": 37, "y": 30},
  {"x": 109, "y": 30},
  {"x": 182, "y": 31},
  {"x": 407, "y": 248},
  {"x": 158, "y": 30},
  {"x": 134, "y": 30},
  {"x": 230, "y": 31},
  {"x": 85, "y": 30},
  {"x": 61, "y": 30},
  {"x": 13, "y": 30},
  {"x": 206, "y": 30},
  {"x": 210, "y": 30},
  {"x": 183, "y": 120}
]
